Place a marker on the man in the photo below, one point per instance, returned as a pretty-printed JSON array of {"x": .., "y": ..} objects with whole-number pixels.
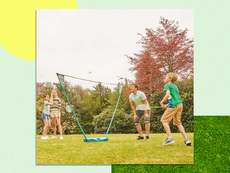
[{"x": 140, "y": 107}]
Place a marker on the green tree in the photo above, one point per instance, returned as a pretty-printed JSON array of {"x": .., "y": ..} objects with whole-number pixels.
[
  {"x": 123, "y": 103},
  {"x": 122, "y": 122},
  {"x": 68, "y": 121}
]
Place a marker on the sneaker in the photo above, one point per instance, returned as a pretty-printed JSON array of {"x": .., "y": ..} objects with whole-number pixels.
[
  {"x": 147, "y": 138},
  {"x": 54, "y": 137},
  {"x": 47, "y": 137},
  {"x": 140, "y": 138},
  {"x": 61, "y": 137},
  {"x": 187, "y": 142},
  {"x": 167, "y": 141},
  {"x": 43, "y": 137}
]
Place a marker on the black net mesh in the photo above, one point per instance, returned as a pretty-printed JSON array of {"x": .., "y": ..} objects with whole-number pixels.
[{"x": 60, "y": 78}]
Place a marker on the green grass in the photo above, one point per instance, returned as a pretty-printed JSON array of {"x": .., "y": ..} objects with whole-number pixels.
[
  {"x": 119, "y": 149},
  {"x": 211, "y": 150}
]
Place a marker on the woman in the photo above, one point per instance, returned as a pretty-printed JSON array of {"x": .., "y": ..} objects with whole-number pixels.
[{"x": 55, "y": 113}]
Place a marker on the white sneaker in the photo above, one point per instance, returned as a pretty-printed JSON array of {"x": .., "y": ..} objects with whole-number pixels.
[
  {"x": 47, "y": 137},
  {"x": 61, "y": 137},
  {"x": 43, "y": 137},
  {"x": 54, "y": 137}
]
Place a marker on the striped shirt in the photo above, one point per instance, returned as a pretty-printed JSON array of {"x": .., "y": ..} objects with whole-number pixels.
[{"x": 55, "y": 101}]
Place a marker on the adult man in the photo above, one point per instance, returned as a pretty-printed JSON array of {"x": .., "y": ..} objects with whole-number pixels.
[{"x": 140, "y": 107}]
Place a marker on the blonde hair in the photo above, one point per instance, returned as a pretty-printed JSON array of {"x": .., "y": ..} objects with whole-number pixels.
[
  {"x": 51, "y": 97},
  {"x": 173, "y": 77}
]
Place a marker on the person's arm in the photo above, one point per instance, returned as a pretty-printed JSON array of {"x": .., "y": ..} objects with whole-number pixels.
[
  {"x": 52, "y": 104},
  {"x": 167, "y": 95},
  {"x": 134, "y": 110},
  {"x": 145, "y": 102}
]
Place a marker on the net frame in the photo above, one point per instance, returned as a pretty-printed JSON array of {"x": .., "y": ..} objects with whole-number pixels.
[{"x": 62, "y": 80}]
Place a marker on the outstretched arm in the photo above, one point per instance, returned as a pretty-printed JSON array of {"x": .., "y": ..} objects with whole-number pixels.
[
  {"x": 52, "y": 104},
  {"x": 145, "y": 102},
  {"x": 134, "y": 110},
  {"x": 167, "y": 95}
]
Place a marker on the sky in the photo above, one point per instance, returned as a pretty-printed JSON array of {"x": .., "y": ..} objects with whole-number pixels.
[{"x": 75, "y": 42}]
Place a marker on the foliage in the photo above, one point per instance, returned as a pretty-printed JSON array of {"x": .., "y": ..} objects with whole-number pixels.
[
  {"x": 122, "y": 122},
  {"x": 94, "y": 109},
  {"x": 166, "y": 49},
  {"x": 123, "y": 102}
]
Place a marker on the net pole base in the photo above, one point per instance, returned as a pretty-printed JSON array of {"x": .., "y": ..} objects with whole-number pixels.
[{"x": 95, "y": 139}]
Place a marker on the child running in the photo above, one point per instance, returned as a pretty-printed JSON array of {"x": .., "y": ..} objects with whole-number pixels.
[
  {"x": 173, "y": 109},
  {"x": 45, "y": 117}
]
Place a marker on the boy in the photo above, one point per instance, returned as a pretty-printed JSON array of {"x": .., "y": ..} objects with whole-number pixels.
[{"x": 174, "y": 109}]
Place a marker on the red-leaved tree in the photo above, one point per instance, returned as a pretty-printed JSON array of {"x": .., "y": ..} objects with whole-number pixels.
[
  {"x": 166, "y": 49},
  {"x": 38, "y": 88}
]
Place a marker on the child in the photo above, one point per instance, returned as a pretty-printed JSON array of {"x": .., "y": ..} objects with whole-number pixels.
[
  {"x": 55, "y": 113},
  {"x": 174, "y": 109},
  {"x": 45, "y": 117}
]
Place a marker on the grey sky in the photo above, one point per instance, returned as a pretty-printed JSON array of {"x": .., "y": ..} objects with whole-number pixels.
[{"x": 75, "y": 42}]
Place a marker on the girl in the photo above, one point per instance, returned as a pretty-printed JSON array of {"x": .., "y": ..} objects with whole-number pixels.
[
  {"x": 55, "y": 113},
  {"x": 45, "y": 117}
]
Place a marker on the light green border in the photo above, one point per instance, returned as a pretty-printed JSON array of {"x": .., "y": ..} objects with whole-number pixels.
[{"x": 211, "y": 33}]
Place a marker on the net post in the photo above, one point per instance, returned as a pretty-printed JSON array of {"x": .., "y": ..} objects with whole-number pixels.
[
  {"x": 61, "y": 80},
  {"x": 113, "y": 115},
  {"x": 120, "y": 88}
]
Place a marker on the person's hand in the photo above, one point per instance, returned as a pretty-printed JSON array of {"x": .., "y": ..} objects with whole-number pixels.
[
  {"x": 162, "y": 105},
  {"x": 50, "y": 114},
  {"x": 147, "y": 116},
  {"x": 135, "y": 116},
  {"x": 165, "y": 106}
]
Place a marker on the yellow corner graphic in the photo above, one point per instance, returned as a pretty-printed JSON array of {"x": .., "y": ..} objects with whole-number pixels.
[{"x": 18, "y": 24}]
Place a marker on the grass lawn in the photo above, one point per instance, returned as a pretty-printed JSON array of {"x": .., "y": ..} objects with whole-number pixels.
[{"x": 119, "y": 149}]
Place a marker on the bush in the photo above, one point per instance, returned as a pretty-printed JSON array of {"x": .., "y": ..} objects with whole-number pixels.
[{"x": 122, "y": 122}]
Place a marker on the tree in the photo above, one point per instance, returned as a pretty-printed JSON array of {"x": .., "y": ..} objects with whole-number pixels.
[
  {"x": 44, "y": 89},
  {"x": 38, "y": 88},
  {"x": 123, "y": 103},
  {"x": 122, "y": 122},
  {"x": 166, "y": 49}
]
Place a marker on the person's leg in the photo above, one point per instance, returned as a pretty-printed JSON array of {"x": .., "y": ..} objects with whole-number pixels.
[
  {"x": 166, "y": 118},
  {"x": 137, "y": 122},
  {"x": 177, "y": 121},
  {"x": 147, "y": 128},
  {"x": 48, "y": 126},
  {"x": 45, "y": 128},
  {"x": 138, "y": 126},
  {"x": 168, "y": 131},
  {"x": 147, "y": 123},
  {"x": 181, "y": 128},
  {"x": 59, "y": 125},
  {"x": 54, "y": 125}
]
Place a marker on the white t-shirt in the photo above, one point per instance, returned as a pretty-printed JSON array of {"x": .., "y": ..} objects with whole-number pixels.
[{"x": 137, "y": 99}]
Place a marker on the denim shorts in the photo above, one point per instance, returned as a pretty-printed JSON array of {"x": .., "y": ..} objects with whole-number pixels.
[{"x": 45, "y": 116}]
